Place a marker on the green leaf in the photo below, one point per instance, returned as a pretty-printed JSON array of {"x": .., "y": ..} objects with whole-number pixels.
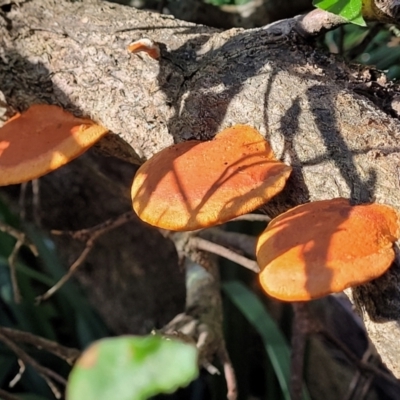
[
  {"x": 132, "y": 368},
  {"x": 275, "y": 343},
  {"x": 348, "y": 9}
]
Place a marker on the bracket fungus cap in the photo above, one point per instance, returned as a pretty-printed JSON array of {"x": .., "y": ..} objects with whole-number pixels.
[
  {"x": 325, "y": 247},
  {"x": 42, "y": 139},
  {"x": 146, "y": 45},
  {"x": 195, "y": 184}
]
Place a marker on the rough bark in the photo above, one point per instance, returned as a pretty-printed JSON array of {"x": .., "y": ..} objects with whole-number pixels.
[{"x": 332, "y": 124}]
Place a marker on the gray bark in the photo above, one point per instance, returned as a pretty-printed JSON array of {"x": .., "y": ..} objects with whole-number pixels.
[{"x": 332, "y": 124}]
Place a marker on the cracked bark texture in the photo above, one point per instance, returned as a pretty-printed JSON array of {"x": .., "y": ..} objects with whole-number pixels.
[{"x": 331, "y": 123}]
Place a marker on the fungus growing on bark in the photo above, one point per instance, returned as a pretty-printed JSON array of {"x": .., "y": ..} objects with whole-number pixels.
[
  {"x": 195, "y": 184},
  {"x": 42, "y": 139},
  {"x": 147, "y": 45},
  {"x": 324, "y": 247}
]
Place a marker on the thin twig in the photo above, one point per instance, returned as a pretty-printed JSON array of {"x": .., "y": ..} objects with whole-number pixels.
[
  {"x": 68, "y": 354},
  {"x": 229, "y": 372},
  {"x": 202, "y": 320},
  {"x": 47, "y": 374},
  {"x": 18, "y": 377},
  {"x": 355, "y": 360},
  {"x": 21, "y": 240},
  {"x": 360, "y": 383},
  {"x": 203, "y": 244},
  {"x": 68, "y": 275},
  {"x": 112, "y": 223},
  {"x": 52, "y": 386},
  {"x": 211, "y": 369},
  {"x": 89, "y": 235},
  {"x": 252, "y": 217},
  {"x": 238, "y": 242},
  {"x": 7, "y": 396},
  {"x": 310, "y": 325},
  {"x": 13, "y": 270},
  {"x": 27, "y": 359},
  {"x": 15, "y": 233}
]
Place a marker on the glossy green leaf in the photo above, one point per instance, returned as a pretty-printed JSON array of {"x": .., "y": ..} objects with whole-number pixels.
[
  {"x": 348, "y": 9},
  {"x": 132, "y": 368}
]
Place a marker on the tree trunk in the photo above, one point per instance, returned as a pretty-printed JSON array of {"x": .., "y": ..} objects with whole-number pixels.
[{"x": 334, "y": 125}]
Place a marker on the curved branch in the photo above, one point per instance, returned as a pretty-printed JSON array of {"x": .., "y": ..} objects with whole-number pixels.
[{"x": 66, "y": 353}]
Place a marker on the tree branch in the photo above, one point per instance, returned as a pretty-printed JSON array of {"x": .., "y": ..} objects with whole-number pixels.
[
  {"x": 21, "y": 241},
  {"x": 240, "y": 242},
  {"x": 66, "y": 353},
  {"x": 7, "y": 396},
  {"x": 90, "y": 236},
  {"x": 311, "y": 108},
  {"x": 205, "y": 245},
  {"x": 202, "y": 320},
  {"x": 47, "y": 374}
]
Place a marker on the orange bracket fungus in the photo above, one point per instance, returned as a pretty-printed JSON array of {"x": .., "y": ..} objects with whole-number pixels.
[
  {"x": 147, "y": 45},
  {"x": 42, "y": 139},
  {"x": 325, "y": 247},
  {"x": 195, "y": 184}
]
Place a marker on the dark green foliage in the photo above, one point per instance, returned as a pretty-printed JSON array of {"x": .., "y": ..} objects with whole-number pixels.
[
  {"x": 66, "y": 318},
  {"x": 275, "y": 344}
]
